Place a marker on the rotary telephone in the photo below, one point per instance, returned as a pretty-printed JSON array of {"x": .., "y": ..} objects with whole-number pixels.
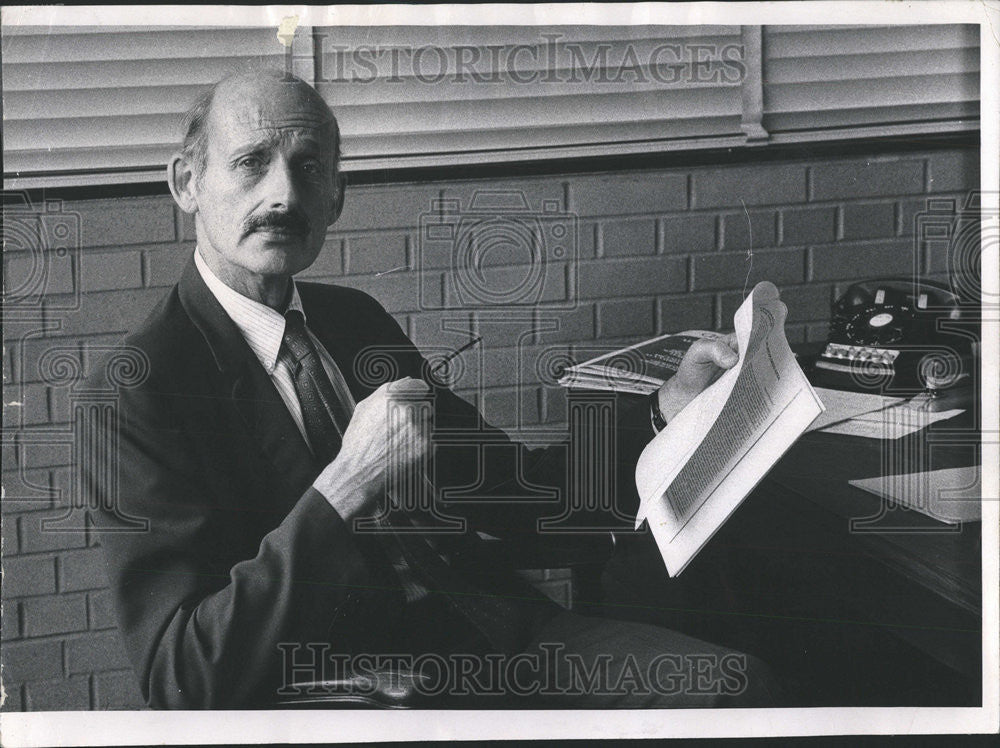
[{"x": 899, "y": 337}]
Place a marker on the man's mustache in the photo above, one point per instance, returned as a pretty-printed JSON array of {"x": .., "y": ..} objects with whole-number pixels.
[{"x": 292, "y": 221}]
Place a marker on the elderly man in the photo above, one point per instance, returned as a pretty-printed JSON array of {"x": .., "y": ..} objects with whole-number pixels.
[{"x": 254, "y": 449}]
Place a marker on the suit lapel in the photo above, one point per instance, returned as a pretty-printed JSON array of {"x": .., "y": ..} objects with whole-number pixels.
[
  {"x": 267, "y": 417},
  {"x": 250, "y": 390}
]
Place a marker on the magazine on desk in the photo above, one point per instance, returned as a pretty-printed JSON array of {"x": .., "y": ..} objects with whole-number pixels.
[
  {"x": 640, "y": 369},
  {"x": 694, "y": 474}
]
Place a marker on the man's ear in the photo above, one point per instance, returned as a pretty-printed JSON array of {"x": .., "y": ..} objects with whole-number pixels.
[
  {"x": 339, "y": 189},
  {"x": 181, "y": 178}
]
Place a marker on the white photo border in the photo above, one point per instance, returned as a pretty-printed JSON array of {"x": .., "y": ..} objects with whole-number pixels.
[{"x": 150, "y": 727}]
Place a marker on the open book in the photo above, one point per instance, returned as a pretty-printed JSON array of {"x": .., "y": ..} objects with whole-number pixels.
[{"x": 695, "y": 473}]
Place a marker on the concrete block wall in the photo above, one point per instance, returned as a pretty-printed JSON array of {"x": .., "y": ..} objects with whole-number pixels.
[{"x": 657, "y": 250}]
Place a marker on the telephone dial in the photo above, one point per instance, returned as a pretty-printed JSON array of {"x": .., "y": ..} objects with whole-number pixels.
[{"x": 897, "y": 336}]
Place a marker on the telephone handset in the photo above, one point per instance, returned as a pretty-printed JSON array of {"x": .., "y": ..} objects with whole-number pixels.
[{"x": 893, "y": 336}]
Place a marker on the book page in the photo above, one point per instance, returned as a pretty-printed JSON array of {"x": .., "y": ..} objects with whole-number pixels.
[{"x": 695, "y": 472}]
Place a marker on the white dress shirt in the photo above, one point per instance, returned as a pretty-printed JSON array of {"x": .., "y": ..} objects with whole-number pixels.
[{"x": 263, "y": 328}]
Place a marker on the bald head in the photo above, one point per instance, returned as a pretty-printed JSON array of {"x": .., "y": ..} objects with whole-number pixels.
[{"x": 277, "y": 96}]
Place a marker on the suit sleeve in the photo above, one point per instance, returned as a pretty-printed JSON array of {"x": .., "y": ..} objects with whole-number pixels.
[
  {"x": 200, "y": 631},
  {"x": 501, "y": 470}
]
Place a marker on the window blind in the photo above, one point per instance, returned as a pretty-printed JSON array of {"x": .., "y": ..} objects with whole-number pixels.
[
  {"x": 416, "y": 95},
  {"x": 100, "y": 105},
  {"x": 850, "y": 81},
  {"x": 97, "y": 105}
]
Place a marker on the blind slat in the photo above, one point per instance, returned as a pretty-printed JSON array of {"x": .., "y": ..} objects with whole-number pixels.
[
  {"x": 78, "y": 132},
  {"x": 135, "y": 45},
  {"x": 966, "y": 114},
  {"x": 832, "y": 95},
  {"x": 868, "y": 66},
  {"x": 412, "y": 90},
  {"x": 526, "y": 110},
  {"x": 785, "y": 41},
  {"x": 484, "y": 36},
  {"x": 202, "y": 72},
  {"x": 71, "y": 106},
  {"x": 443, "y": 142}
]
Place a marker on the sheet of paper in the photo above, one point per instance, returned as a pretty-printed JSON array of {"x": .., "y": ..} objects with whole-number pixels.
[
  {"x": 841, "y": 405},
  {"x": 950, "y": 495},
  {"x": 696, "y": 471},
  {"x": 890, "y": 423}
]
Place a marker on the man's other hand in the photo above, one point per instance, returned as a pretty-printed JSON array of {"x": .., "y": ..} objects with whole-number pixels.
[
  {"x": 703, "y": 363},
  {"x": 355, "y": 481}
]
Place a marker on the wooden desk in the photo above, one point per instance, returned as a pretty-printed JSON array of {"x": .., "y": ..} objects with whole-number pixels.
[
  {"x": 944, "y": 558},
  {"x": 938, "y": 564},
  {"x": 882, "y": 612}
]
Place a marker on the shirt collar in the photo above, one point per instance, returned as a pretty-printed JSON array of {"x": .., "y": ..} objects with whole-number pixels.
[{"x": 262, "y": 327}]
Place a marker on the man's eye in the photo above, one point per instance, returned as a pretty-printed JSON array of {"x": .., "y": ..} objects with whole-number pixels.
[
  {"x": 311, "y": 167},
  {"x": 249, "y": 162}
]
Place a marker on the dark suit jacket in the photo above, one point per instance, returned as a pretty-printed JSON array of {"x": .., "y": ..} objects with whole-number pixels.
[{"x": 242, "y": 554}]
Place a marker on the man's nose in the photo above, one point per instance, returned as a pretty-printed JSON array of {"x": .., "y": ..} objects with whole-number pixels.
[{"x": 280, "y": 187}]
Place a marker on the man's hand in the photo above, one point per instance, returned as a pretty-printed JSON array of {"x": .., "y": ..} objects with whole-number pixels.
[
  {"x": 703, "y": 363},
  {"x": 355, "y": 481}
]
